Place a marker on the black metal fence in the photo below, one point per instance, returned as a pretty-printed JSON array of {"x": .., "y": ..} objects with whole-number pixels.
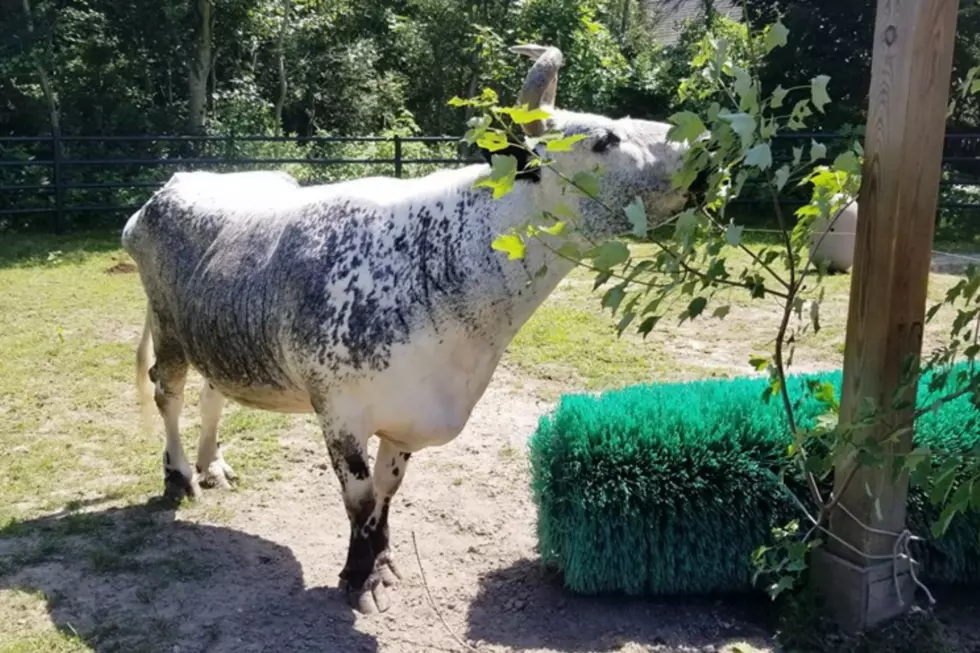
[
  {"x": 49, "y": 181},
  {"x": 58, "y": 176}
]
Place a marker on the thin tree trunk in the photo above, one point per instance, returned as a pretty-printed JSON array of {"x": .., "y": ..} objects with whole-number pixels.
[
  {"x": 214, "y": 77},
  {"x": 54, "y": 110},
  {"x": 624, "y": 25},
  {"x": 709, "y": 13},
  {"x": 281, "y": 60},
  {"x": 200, "y": 69}
]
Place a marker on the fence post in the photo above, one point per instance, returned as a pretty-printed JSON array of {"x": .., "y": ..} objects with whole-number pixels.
[
  {"x": 398, "y": 156},
  {"x": 59, "y": 187}
]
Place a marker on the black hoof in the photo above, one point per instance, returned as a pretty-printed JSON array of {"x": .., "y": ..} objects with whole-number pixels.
[
  {"x": 371, "y": 598},
  {"x": 176, "y": 486}
]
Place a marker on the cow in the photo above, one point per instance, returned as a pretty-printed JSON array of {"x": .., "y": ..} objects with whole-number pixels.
[{"x": 377, "y": 304}]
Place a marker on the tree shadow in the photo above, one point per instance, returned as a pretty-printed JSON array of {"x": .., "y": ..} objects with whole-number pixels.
[
  {"x": 540, "y": 613},
  {"x": 136, "y": 579}
]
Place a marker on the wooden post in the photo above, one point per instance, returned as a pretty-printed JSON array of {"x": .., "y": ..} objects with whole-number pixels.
[{"x": 911, "y": 67}]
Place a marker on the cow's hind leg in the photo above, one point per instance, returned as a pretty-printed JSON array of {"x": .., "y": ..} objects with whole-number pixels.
[
  {"x": 389, "y": 470},
  {"x": 212, "y": 469},
  {"x": 347, "y": 448},
  {"x": 169, "y": 375}
]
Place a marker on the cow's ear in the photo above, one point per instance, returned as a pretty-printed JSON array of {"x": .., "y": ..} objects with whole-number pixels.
[{"x": 517, "y": 150}]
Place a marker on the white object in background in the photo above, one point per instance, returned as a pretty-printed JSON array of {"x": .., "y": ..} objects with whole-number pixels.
[{"x": 837, "y": 246}]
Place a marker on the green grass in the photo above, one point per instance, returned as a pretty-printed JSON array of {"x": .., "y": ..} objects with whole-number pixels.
[
  {"x": 571, "y": 343},
  {"x": 54, "y": 641},
  {"x": 69, "y": 324}
]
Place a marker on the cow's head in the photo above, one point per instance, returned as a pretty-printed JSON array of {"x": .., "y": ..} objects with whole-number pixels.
[{"x": 634, "y": 156}]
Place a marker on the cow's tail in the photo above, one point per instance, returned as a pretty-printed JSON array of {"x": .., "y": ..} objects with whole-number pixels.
[{"x": 144, "y": 385}]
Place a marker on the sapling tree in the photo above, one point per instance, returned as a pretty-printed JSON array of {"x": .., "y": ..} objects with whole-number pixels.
[{"x": 701, "y": 259}]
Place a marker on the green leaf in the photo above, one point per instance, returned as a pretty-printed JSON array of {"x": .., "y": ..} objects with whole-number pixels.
[
  {"x": 945, "y": 517},
  {"x": 776, "y": 36},
  {"x": 687, "y": 127},
  {"x": 503, "y": 171},
  {"x": 611, "y": 253},
  {"x": 733, "y": 234},
  {"x": 742, "y": 124},
  {"x": 848, "y": 162},
  {"x": 975, "y": 499},
  {"x": 778, "y": 95},
  {"x": 696, "y": 307},
  {"x": 961, "y": 498},
  {"x": 493, "y": 141},
  {"x": 637, "y": 215},
  {"x": 721, "y": 312},
  {"x": 601, "y": 279},
  {"x": 781, "y": 177},
  {"x": 564, "y": 144},
  {"x": 801, "y": 111},
  {"x": 758, "y": 363},
  {"x": 943, "y": 482},
  {"x": 628, "y": 318},
  {"x": 512, "y": 245},
  {"x": 759, "y": 156},
  {"x": 555, "y": 229},
  {"x": 522, "y": 116},
  {"x": 818, "y": 92},
  {"x": 685, "y": 224},
  {"x": 817, "y": 150},
  {"x": 613, "y": 298},
  {"x": 478, "y": 126},
  {"x": 745, "y": 90},
  {"x": 570, "y": 251},
  {"x": 825, "y": 394},
  {"x": 587, "y": 182},
  {"x": 797, "y": 156},
  {"x": 767, "y": 128},
  {"x": 646, "y": 326}
]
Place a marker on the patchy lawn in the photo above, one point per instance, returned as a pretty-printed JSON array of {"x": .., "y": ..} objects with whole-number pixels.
[{"x": 89, "y": 561}]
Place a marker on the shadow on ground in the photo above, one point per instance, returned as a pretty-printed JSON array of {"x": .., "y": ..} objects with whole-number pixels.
[
  {"x": 135, "y": 579},
  {"x": 540, "y": 614}
]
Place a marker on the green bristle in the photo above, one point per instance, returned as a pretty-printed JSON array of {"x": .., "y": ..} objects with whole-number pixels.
[{"x": 668, "y": 488}]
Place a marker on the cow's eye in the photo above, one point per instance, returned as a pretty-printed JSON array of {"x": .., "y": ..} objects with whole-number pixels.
[{"x": 609, "y": 139}]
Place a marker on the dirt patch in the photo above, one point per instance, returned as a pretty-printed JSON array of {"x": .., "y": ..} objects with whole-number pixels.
[
  {"x": 257, "y": 570},
  {"x": 123, "y": 267}
]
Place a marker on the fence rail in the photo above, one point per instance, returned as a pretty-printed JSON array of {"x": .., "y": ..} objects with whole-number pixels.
[{"x": 52, "y": 175}]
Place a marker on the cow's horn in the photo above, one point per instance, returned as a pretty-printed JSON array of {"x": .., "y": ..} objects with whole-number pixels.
[{"x": 541, "y": 83}]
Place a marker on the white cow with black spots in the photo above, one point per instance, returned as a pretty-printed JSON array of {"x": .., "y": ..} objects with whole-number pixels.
[{"x": 378, "y": 304}]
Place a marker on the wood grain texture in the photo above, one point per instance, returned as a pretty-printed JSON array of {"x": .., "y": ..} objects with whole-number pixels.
[{"x": 911, "y": 67}]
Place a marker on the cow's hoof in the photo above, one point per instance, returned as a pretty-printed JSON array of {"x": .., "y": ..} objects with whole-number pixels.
[
  {"x": 387, "y": 570},
  {"x": 176, "y": 486},
  {"x": 370, "y": 599},
  {"x": 219, "y": 474}
]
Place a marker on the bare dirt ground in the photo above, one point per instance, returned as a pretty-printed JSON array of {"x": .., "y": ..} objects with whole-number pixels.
[{"x": 257, "y": 571}]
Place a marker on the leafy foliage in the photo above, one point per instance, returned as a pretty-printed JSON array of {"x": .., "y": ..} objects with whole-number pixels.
[{"x": 730, "y": 128}]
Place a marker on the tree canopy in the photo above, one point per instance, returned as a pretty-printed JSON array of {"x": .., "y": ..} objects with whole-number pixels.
[{"x": 344, "y": 67}]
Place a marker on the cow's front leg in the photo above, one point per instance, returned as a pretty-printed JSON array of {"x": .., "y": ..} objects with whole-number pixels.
[{"x": 361, "y": 580}]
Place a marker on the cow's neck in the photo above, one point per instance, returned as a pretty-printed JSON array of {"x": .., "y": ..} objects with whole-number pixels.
[{"x": 525, "y": 285}]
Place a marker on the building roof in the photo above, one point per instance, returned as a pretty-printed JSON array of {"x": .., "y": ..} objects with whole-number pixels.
[{"x": 669, "y": 15}]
